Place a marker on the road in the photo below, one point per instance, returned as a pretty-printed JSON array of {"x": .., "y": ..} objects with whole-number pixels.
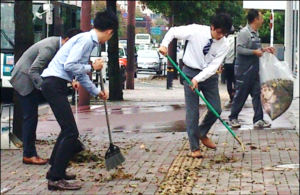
[{"x": 7, "y": 98}]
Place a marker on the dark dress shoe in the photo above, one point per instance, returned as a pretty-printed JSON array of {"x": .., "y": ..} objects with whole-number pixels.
[
  {"x": 68, "y": 176},
  {"x": 63, "y": 185},
  {"x": 208, "y": 143},
  {"x": 35, "y": 160}
]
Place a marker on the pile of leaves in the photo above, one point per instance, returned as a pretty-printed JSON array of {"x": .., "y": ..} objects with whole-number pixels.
[
  {"x": 276, "y": 96},
  {"x": 86, "y": 156}
]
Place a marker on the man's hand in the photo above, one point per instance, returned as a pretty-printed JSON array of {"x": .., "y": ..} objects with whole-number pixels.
[
  {"x": 75, "y": 85},
  {"x": 163, "y": 50},
  {"x": 103, "y": 95},
  {"x": 258, "y": 52},
  {"x": 98, "y": 64},
  {"x": 269, "y": 49},
  {"x": 195, "y": 84}
]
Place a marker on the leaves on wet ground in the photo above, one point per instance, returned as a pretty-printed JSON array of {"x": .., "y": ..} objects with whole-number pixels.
[
  {"x": 46, "y": 142},
  {"x": 87, "y": 156}
]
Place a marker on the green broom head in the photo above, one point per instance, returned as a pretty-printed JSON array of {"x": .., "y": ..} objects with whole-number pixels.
[{"x": 113, "y": 157}]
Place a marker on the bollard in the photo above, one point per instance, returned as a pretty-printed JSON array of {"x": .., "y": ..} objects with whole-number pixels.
[
  {"x": 165, "y": 68},
  {"x": 170, "y": 71}
]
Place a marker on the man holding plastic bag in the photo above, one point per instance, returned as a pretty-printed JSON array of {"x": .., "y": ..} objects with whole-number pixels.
[
  {"x": 246, "y": 70},
  {"x": 276, "y": 85}
]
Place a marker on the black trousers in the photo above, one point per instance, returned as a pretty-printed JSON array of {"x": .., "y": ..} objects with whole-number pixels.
[
  {"x": 29, "y": 104},
  {"x": 230, "y": 78},
  {"x": 55, "y": 92}
]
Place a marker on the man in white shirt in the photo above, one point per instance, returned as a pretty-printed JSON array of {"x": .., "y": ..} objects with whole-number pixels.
[{"x": 206, "y": 49}]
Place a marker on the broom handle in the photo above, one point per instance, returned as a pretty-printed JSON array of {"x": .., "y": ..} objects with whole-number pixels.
[
  {"x": 76, "y": 106},
  {"x": 198, "y": 93},
  {"x": 104, "y": 101}
]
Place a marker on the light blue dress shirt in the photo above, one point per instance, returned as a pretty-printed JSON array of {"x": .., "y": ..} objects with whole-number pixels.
[{"x": 72, "y": 60}]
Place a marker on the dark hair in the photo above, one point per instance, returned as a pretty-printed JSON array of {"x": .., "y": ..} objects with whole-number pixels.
[
  {"x": 252, "y": 14},
  {"x": 71, "y": 32},
  {"x": 106, "y": 20},
  {"x": 222, "y": 21}
]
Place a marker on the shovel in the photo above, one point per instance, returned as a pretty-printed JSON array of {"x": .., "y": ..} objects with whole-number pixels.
[
  {"x": 208, "y": 104},
  {"x": 80, "y": 146},
  {"x": 113, "y": 156}
]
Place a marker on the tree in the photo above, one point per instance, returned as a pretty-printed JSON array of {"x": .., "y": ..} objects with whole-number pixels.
[
  {"x": 265, "y": 30},
  {"x": 24, "y": 38},
  {"x": 101, "y": 6},
  {"x": 235, "y": 10},
  {"x": 199, "y": 12},
  {"x": 114, "y": 72}
]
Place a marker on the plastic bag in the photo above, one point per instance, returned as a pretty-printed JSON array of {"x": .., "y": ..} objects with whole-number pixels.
[{"x": 276, "y": 81}]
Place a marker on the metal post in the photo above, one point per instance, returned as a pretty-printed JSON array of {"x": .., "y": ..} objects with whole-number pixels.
[
  {"x": 170, "y": 71},
  {"x": 130, "y": 46},
  {"x": 272, "y": 28}
]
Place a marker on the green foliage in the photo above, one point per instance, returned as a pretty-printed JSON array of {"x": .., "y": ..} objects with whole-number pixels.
[
  {"x": 101, "y": 6},
  {"x": 200, "y": 12},
  {"x": 265, "y": 31}
]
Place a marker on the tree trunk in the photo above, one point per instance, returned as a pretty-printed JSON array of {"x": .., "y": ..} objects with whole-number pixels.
[
  {"x": 85, "y": 25},
  {"x": 130, "y": 45},
  {"x": 114, "y": 73},
  {"x": 24, "y": 38}
]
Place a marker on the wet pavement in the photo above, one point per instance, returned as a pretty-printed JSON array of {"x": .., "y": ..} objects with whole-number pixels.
[{"x": 149, "y": 128}]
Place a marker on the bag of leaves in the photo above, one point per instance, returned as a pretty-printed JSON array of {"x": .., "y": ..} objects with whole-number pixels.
[{"x": 276, "y": 81}]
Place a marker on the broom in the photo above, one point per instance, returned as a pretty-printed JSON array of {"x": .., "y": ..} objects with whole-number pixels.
[
  {"x": 208, "y": 105},
  {"x": 113, "y": 156}
]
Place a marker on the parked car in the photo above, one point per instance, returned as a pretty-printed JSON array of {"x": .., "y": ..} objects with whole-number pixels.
[
  {"x": 149, "y": 60},
  {"x": 122, "y": 62},
  {"x": 123, "y": 58}
]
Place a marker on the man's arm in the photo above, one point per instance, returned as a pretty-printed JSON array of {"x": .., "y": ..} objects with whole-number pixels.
[
  {"x": 243, "y": 40},
  {"x": 42, "y": 60},
  {"x": 82, "y": 49},
  {"x": 72, "y": 64},
  {"x": 178, "y": 32}
]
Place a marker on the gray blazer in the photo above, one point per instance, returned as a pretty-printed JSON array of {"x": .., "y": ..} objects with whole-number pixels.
[{"x": 27, "y": 71}]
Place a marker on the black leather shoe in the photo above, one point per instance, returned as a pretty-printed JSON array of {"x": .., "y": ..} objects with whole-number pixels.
[
  {"x": 63, "y": 185},
  {"x": 68, "y": 176}
]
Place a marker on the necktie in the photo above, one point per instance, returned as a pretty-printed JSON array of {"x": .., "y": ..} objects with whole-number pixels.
[{"x": 207, "y": 47}]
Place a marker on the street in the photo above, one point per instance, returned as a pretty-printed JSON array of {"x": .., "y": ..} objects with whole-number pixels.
[{"x": 149, "y": 127}]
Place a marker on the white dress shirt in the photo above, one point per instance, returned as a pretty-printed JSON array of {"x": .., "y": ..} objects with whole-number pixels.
[
  {"x": 198, "y": 36},
  {"x": 229, "y": 58}
]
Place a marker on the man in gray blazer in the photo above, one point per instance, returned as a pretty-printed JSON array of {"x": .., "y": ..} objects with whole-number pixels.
[{"x": 26, "y": 80}]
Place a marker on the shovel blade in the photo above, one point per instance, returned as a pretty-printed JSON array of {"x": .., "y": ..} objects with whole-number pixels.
[{"x": 17, "y": 142}]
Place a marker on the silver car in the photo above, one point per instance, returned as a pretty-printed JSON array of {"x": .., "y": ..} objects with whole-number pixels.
[{"x": 149, "y": 60}]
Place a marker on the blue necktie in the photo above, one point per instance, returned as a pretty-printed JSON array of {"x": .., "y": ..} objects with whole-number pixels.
[{"x": 207, "y": 47}]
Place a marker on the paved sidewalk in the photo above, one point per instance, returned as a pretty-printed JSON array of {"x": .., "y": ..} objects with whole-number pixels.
[{"x": 156, "y": 150}]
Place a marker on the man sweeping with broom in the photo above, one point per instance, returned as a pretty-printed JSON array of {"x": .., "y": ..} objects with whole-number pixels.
[
  {"x": 205, "y": 51},
  {"x": 70, "y": 61}
]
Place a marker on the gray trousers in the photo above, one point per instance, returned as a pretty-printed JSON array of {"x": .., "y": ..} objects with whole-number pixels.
[{"x": 210, "y": 91}]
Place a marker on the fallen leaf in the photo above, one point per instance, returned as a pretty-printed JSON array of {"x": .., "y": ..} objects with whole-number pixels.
[{"x": 142, "y": 146}]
